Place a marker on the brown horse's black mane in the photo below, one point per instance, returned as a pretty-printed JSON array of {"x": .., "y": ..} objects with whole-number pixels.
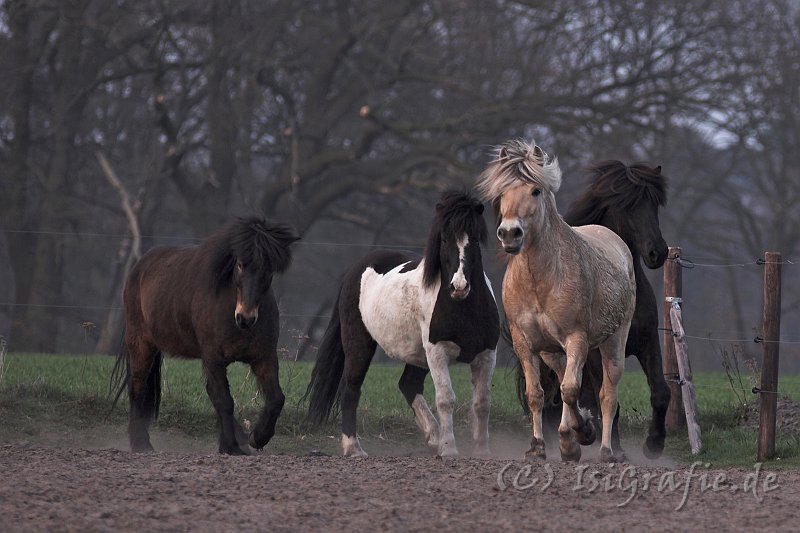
[
  {"x": 457, "y": 212},
  {"x": 258, "y": 244},
  {"x": 617, "y": 187}
]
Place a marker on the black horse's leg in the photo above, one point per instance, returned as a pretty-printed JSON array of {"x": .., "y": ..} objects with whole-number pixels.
[
  {"x": 266, "y": 372},
  {"x": 411, "y": 385},
  {"x": 220, "y": 395},
  {"x": 359, "y": 347},
  {"x": 143, "y": 391},
  {"x": 650, "y": 359}
]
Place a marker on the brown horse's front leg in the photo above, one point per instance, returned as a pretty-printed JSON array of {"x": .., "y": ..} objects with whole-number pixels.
[
  {"x": 266, "y": 373},
  {"x": 220, "y": 395}
]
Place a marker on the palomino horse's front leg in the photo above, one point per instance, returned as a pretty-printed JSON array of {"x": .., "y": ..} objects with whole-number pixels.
[
  {"x": 534, "y": 394},
  {"x": 219, "y": 393},
  {"x": 482, "y": 371},
  {"x": 439, "y": 363},
  {"x": 266, "y": 374}
]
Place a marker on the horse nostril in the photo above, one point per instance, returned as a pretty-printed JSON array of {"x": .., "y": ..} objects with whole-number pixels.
[
  {"x": 502, "y": 233},
  {"x": 516, "y": 233}
]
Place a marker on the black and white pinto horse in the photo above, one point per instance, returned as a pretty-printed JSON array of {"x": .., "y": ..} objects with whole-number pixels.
[{"x": 426, "y": 312}]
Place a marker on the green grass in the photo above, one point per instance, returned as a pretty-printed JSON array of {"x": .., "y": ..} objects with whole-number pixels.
[{"x": 48, "y": 397}]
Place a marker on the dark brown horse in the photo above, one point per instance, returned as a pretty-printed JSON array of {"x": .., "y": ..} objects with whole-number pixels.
[
  {"x": 214, "y": 302},
  {"x": 625, "y": 199}
]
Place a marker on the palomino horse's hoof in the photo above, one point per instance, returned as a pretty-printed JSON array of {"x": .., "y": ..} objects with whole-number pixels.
[
  {"x": 607, "y": 456},
  {"x": 481, "y": 451},
  {"x": 537, "y": 451},
  {"x": 569, "y": 447},
  {"x": 448, "y": 451},
  {"x": 653, "y": 446}
]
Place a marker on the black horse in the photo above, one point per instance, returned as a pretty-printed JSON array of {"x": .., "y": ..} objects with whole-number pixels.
[
  {"x": 212, "y": 301},
  {"x": 625, "y": 199}
]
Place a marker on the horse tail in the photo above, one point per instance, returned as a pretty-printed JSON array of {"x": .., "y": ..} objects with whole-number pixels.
[
  {"x": 150, "y": 402},
  {"x": 327, "y": 374}
]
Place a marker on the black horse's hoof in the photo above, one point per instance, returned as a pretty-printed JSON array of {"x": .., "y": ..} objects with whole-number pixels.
[
  {"x": 141, "y": 447},
  {"x": 586, "y": 434},
  {"x": 256, "y": 443},
  {"x": 653, "y": 447},
  {"x": 537, "y": 451}
]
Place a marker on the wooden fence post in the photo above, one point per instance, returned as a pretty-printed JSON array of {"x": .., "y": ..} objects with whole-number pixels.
[
  {"x": 771, "y": 334},
  {"x": 685, "y": 369},
  {"x": 672, "y": 289}
]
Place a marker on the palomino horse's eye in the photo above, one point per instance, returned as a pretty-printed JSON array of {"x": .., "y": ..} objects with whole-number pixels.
[{"x": 536, "y": 191}]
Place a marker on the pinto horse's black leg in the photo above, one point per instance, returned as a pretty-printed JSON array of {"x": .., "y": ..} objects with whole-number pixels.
[
  {"x": 266, "y": 373},
  {"x": 412, "y": 384},
  {"x": 219, "y": 393},
  {"x": 359, "y": 347}
]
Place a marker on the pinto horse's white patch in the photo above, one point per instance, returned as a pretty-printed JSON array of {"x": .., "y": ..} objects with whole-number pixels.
[{"x": 459, "y": 281}]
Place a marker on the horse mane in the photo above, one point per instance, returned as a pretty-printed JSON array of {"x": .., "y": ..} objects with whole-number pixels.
[
  {"x": 255, "y": 242},
  {"x": 618, "y": 187},
  {"x": 457, "y": 212},
  {"x": 517, "y": 160}
]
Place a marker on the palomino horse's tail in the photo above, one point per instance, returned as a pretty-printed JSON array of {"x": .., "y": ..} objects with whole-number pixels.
[
  {"x": 327, "y": 374},
  {"x": 121, "y": 381}
]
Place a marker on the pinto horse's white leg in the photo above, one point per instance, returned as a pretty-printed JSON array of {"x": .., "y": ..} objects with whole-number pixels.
[
  {"x": 439, "y": 363},
  {"x": 612, "y": 352},
  {"x": 482, "y": 371}
]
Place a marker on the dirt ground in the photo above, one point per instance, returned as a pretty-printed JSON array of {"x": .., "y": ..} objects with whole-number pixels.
[{"x": 107, "y": 489}]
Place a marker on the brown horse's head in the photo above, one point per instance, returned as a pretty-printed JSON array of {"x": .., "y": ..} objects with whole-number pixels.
[
  {"x": 247, "y": 254},
  {"x": 521, "y": 184}
]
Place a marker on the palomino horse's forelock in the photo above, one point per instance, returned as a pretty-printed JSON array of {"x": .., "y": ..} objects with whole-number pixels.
[{"x": 515, "y": 161}]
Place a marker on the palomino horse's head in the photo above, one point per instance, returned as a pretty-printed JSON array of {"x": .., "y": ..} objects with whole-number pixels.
[
  {"x": 250, "y": 251},
  {"x": 453, "y": 251},
  {"x": 521, "y": 184},
  {"x": 626, "y": 199}
]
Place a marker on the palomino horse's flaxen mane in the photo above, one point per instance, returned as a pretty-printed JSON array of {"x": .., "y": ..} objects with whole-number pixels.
[{"x": 518, "y": 160}]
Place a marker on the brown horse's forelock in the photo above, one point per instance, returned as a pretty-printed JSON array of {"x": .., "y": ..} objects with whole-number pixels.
[
  {"x": 257, "y": 243},
  {"x": 617, "y": 187},
  {"x": 456, "y": 213}
]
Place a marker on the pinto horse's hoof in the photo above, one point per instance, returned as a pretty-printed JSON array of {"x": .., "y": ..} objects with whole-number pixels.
[
  {"x": 653, "y": 447},
  {"x": 537, "y": 451},
  {"x": 586, "y": 434}
]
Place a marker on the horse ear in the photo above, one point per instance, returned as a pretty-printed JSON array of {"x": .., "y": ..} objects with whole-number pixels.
[
  {"x": 503, "y": 154},
  {"x": 538, "y": 152},
  {"x": 658, "y": 169},
  {"x": 479, "y": 209}
]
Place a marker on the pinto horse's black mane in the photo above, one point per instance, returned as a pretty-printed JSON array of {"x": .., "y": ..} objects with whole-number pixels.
[
  {"x": 457, "y": 212},
  {"x": 617, "y": 187},
  {"x": 260, "y": 245}
]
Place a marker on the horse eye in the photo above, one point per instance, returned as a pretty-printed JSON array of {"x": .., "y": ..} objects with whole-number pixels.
[
  {"x": 536, "y": 192},
  {"x": 239, "y": 267}
]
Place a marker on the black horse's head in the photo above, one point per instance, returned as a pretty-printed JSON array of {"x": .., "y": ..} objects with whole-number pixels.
[
  {"x": 248, "y": 253},
  {"x": 453, "y": 251},
  {"x": 626, "y": 199}
]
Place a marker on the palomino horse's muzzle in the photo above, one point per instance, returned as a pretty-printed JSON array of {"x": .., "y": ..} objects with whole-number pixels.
[{"x": 511, "y": 238}]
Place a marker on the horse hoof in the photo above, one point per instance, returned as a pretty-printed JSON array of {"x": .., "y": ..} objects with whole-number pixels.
[
  {"x": 141, "y": 447},
  {"x": 537, "y": 451},
  {"x": 257, "y": 444},
  {"x": 232, "y": 450},
  {"x": 607, "y": 456},
  {"x": 586, "y": 434},
  {"x": 482, "y": 451},
  {"x": 653, "y": 447},
  {"x": 448, "y": 451},
  {"x": 569, "y": 448},
  {"x": 351, "y": 447}
]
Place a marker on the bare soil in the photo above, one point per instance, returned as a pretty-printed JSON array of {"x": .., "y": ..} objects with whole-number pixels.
[{"x": 82, "y": 489}]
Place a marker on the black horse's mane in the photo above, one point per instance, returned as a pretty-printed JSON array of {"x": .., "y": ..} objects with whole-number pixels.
[
  {"x": 617, "y": 187},
  {"x": 260, "y": 245},
  {"x": 457, "y": 212}
]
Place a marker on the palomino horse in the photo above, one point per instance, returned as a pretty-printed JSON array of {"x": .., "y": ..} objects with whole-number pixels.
[
  {"x": 427, "y": 312},
  {"x": 213, "y": 301},
  {"x": 566, "y": 291}
]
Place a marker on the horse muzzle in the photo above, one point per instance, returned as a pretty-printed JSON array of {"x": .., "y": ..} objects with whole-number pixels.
[
  {"x": 245, "y": 320},
  {"x": 656, "y": 256},
  {"x": 459, "y": 294},
  {"x": 510, "y": 238}
]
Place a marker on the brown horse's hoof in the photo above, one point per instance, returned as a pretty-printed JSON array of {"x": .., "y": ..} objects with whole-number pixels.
[
  {"x": 653, "y": 447},
  {"x": 586, "y": 433},
  {"x": 537, "y": 451},
  {"x": 607, "y": 456}
]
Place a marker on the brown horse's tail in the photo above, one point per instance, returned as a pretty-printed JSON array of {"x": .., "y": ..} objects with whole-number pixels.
[
  {"x": 150, "y": 401},
  {"x": 327, "y": 374}
]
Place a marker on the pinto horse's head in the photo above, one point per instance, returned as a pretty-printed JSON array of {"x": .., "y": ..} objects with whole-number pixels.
[
  {"x": 249, "y": 252},
  {"x": 453, "y": 250},
  {"x": 521, "y": 184}
]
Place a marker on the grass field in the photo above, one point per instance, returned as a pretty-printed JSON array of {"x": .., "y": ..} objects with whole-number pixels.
[{"x": 48, "y": 399}]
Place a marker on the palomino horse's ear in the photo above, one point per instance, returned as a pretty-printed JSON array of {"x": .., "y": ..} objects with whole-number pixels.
[
  {"x": 538, "y": 152},
  {"x": 479, "y": 209},
  {"x": 503, "y": 154},
  {"x": 658, "y": 169}
]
